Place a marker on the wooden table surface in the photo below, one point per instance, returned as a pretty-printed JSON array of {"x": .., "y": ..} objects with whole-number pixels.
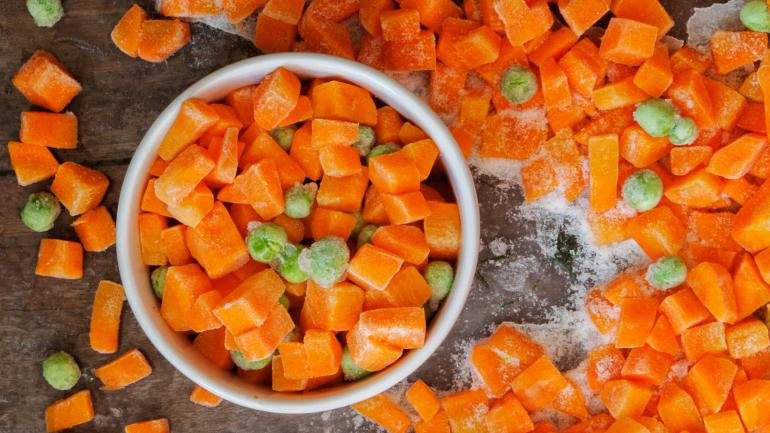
[{"x": 121, "y": 98}]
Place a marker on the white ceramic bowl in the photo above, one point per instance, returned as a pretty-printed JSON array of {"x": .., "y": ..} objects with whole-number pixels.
[{"x": 178, "y": 349}]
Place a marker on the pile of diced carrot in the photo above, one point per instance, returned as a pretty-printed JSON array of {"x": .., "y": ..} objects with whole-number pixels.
[{"x": 219, "y": 170}]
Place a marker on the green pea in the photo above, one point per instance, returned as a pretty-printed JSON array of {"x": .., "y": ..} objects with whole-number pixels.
[
  {"x": 243, "y": 364},
  {"x": 41, "y": 211},
  {"x": 382, "y": 149},
  {"x": 518, "y": 84},
  {"x": 288, "y": 264},
  {"x": 266, "y": 242},
  {"x": 299, "y": 200},
  {"x": 45, "y": 13},
  {"x": 350, "y": 370},
  {"x": 284, "y": 136},
  {"x": 360, "y": 223},
  {"x": 755, "y": 16},
  {"x": 365, "y": 140},
  {"x": 365, "y": 235},
  {"x": 325, "y": 261},
  {"x": 284, "y": 301},
  {"x": 158, "y": 280},
  {"x": 61, "y": 371},
  {"x": 685, "y": 132},
  {"x": 656, "y": 116},
  {"x": 667, "y": 272},
  {"x": 643, "y": 190},
  {"x": 440, "y": 276}
]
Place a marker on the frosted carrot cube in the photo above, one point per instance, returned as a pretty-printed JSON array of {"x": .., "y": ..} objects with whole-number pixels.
[
  {"x": 261, "y": 341},
  {"x": 275, "y": 97},
  {"x": 637, "y": 317},
  {"x": 59, "y": 131},
  {"x": 494, "y": 372},
  {"x": 373, "y": 268},
  {"x": 726, "y": 422},
  {"x": 105, "y": 317},
  {"x": 400, "y": 327},
  {"x": 216, "y": 243},
  {"x": 228, "y": 118},
  {"x": 624, "y": 398},
  {"x": 201, "y": 315},
  {"x": 79, "y": 188},
  {"x": 126, "y": 33},
  {"x": 747, "y": 338},
  {"x": 662, "y": 337},
  {"x": 288, "y": 11},
  {"x": 336, "y": 308},
  {"x": 194, "y": 119},
  {"x": 478, "y": 47},
  {"x": 433, "y": 12},
  {"x": 418, "y": 54},
  {"x": 95, "y": 229},
  {"x": 294, "y": 360},
  {"x": 260, "y": 186},
  {"x": 383, "y": 411},
  {"x": 194, "y": 207},
  {"x": 345, "y": 193},
  {"x": 129, "y": 368},
  {"x": 203, "y": 397},
  {"x": 182, "y": 287},
  {"x": 326, "y": 132},
  {"x": 175, "y": 245},
  {"x": 44, "y": 81},
  {"x": 328, "y": 222},
  {"x": 323, "y": 351},
  {"x": 399, "y": 25},
  {"x": 161, "y": 39},
  {"x": 708, "y": 339},
  {"x": 713, "y": 286},
  {"x": 60, "y": 259},
  {"x": 423, "y": 400},
  {"x": 369, "y": 353},
  {"x": 628, "y": 42},
  {"x": 404, "y": 241},
  {"x": 659, "y": 232},
  {"x": 152, "y": 426},
  {"x": 405, "y": 208},
  {"x": 443, "y": 231},
  {"x": 183, "y": 174},
  {"x": 467, "y": 410},
  {"x": 423, "y": 154},
  {"x": 581, "y": 15},
  {"x": 340, "y": 161},
  {"x": 507, "y": 415},
  {"x": 211, "y": 344},
  {"x": 709, "y": 381},
  {"x": 751, "y": 397},
  {"x": 647, "y": 365},
  {"x": 151, "y": 202},
  {"x": 249, "y": 305},
  {"x": 69, "y": 412},
  {"x": 523, "y": 21},
  {"x": 751, "y": 290},
  {"x": 646, "y": 11},
  {"x": 539, "y": 384},
  {"x": 683, "y": 310},
  {"x": 31, "y": 162},
  {"x": 677, "y": 409},
  {"x": 732, "y": 50}
]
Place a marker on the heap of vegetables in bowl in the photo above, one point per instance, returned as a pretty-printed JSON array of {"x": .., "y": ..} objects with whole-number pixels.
[{"x": 296, "y": 231}]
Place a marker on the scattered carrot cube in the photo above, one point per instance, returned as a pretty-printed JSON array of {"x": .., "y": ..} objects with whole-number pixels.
[
  {"x": 383, "y": 411},
  {"x": 129, "y": 368},
  {"x": 31, "y": 162},
  {"x": 625, "y": 398},
  {"x": 79, "y": 188},
  {"x": 731, "y": 50},
  {"x": 56, "y": 130},
  {"x": 746, "y": 338},
  {"x": 710, "y": 381},
  {"x": 95, "y": 229},
  {"x": 275, "y": 97},
  {"x": 69, "y": 412},
  {"x": 105, "y": 317},
  {"x": 713, "y": 285},
  {"x": 44, "y": 81},
  {"x": 581, "y": 15},
  {"x": 202, "y": 397},
  {"x": 637, "y": 318},
  {"x": 127, "y": 31},
  {"x": 152, "y": 426},
  {"x": 539, "y": 384},
  {"x": 708, "y": 339},
  {"x": 60, "y": 259},
  {"x": 467, "y": 410},
  {"x": 161, "y": 39}
]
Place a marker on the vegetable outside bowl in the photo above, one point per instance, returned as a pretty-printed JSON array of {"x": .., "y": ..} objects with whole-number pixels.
[{"x": 178, "y": 349}]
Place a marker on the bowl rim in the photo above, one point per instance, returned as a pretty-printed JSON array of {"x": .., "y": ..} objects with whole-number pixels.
[{"x": 177, "y": 348}]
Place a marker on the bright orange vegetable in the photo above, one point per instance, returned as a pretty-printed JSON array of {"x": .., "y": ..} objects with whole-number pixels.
[
  {"x": 603, "y": 154},
  {"x": 127, "y": 369},
  {"x": 105, "y": 317},
  {"x": 44, "y": 81},
  {"x": 383, "y": 411},
  {"x": 159, "y": 425},
  {"x": 734, "y": 160},
  {"x": 619, "y": 94},
  {"x": 202, "y": 397},
  {"x": 161, "y": 39},
  {"x": 749, "y": 229},
  {"x": 731, "y": 50},
  {"x": 59, "y": 131},
  {"x": 713, "y": 286},
  {"x": 275, "y": 97},
  {"x": 625, "y": 398},
  {"x": 79, "y": 188},
  {"x": 690, "y": 94},
  {"x": 524, "y": 22},
  {"x": 69, "y": 412},
  {"x": 95, "y": 229},
  {"x": 59, "y": 259}
]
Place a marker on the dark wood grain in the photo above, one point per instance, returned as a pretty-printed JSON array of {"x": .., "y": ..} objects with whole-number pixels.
[{"x": 122, "y": 97}]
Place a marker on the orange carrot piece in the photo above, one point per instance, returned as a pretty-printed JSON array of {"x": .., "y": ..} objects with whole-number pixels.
[
  {"x": 161, "y": 39},
  {"x": 637, "y": 318},
  {"x": 728, "y": 104},
  {"x": 383, "y": 411},
  {"x": 274, "y": 36},
  {"x": 201, "y": 317},
  {"x": 194, "y": 119},
  {"x": 95, "y": 229},
  {"x": 433, "y": 12},
  {"x": 423, "y": 400},
  {"x": 641, "y": 149},
  {"x": 105, "y": 317},
  {"x": 216, "y": 243},
  {"x": 619, "y": 94},
  {"x": 31, "y": 162},
  {"x": 399, "y": 25},
  {"x": 732, "y": 50},
  {"x": 708, "y": 339},
  {"x": 326, "y": 132},
  {"x": 685, "y": 159},
  {"x": 654, "y": 75},
  {"x": 328, "y": 222},
  {"x": 625, "y": 398},
  {"x": 275, "y": 97},
  {"x": 238, "y": 10},
  {"x": 713, "y": 286},
  {"x": 55, "y": 130},
  {"x": 539, "y": 384},
  {"x": 127, "y": 369},
  {"x": 150, "y": 228},
  {"x": 646, "y": 11},
  {"x": 59, "y": 259},
  {"x": 202, "y": 397},
  {"x": 628, "y": 42},
  {"x": 690, "y": 94},
  {"x": 344, "y": 194},
  {"x": 159, "y": 425},
  {"x": 44, "y": 81},
  {"x": 264, "y": 147},
  {"x": 370, "y": 12},
  {"x": 127, "y": 31},
  {"x": 603, "y": 168},
  {"x": 373, "y": 268},
  {"x": 341, "y": 101},
  {"x": 523, "y": 22},
  {"x": 261, "y": 341},
  {"x": 250, "y": 304},
  {"x": 408, "y": 242},
  {"x": 508, "y": 415},
  {"x": 69, "y": 412},
  {"x": 184, "y": 284},
  {"x": 79, "y": 188},
  {"x": 735, "y": 159}
]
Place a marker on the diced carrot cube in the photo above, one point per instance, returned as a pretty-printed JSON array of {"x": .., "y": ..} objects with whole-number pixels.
[
  {"x": 508, "y": 416},
  {"x": 659, "y": 232},
  {"x": 261, "y": 341},
  {"x": 625, "y": 398},
  {"x": 79, "y": 188},
  {"x": 274, "y": 36},
  {"x": 618, "y": 94},
  {"x": 250, "y": 304},
  {"x": 538, "y": 178},
  {"x": 637, "y": 318},
  {"x": 554, "y": 47},
  {"x": 696, "y": 189},
  {"x": 732, "y": 50},
  {"x": 69, "y": 412},
  {"x": 275, "y": 97},
  {"x": 183, "y": 286},
  {"x": 477, "y": 47},
  {"x": 228, "y": 118},
  {"x": 689, "y": 58},
  {"x": 735, "y": 159},
  {"x": 749, "y": 225},
  {"x": 369, "y": 353},
  {"x": 56, "y": 130},
  {"x": 336, "y": 308},
  {"x": 751, "y": 397},
  {"x": 523, "y": 21},
  {"x": 452, "y": 30},
  {"x": 662, "y": 337},
  {"x": 708, "y": 339},
  {"x": 713, "y": 285},
  {"x": 126, "y": 33},
  {"x": 739, "y": 190},
  {"x": 433, "y": 12},
  {"x": 328, "y": 222},
  {"x": 183, "y": 175},
  {"x": 288, "y": 11},
  {"x": 189, "y": 8},
  {"x": 406, "y": 208},
  {"x": 340, "y": 161},
  {"x": 383, "y": 411},
  {"x": 370, "y": 12},
  {"x": 159, "y": 425},
  {"x": 326, "y": 132},
  {"x": 647, "y": 365},
  {"x": 95, "y": 229},
  {"x": 388, "y": 125},
  {"x": 418, "y": 54},
  {"x": 494, "y": 371},
  {"x": 31, "y": 162},
  {"x": 442, "y": 230},
  {"x": 325, "y": 36},
  {"x": 556, "y": 91},
  {"x": 374, "y": 208},
  {"x": 751, "y": 291},
  {"x": 260, "y": 186},
  {"x": 211, "y": 344},
  {"x": 399, "y": 25},
  {"x": 685, "y": 159},
  {"x": 728, "y": 104},
  {"x": 683, "y": 310},
  {"x": 175, "y": 245},
  {"x": 323, "y": 353},
  {"x": 628, "y": 42},
  {"x": 467, "y": 410},
  {"x": 161, "y": 39},
  {"x": 747, "y": 338},
  {"x": 264, "y": 147},
  {"x": 602, "y": 312},
  {"x": 709, "y": 381},
  {"x": 713, "y": 228},
  {"x": 423, "y": 400},
  {"x": 690, "y": 94},
  {"x": 303, "y": 152},
  {"x": 201, "y": 316},
  {"x": 194, "y": 207},
  {"x": 127, "y": 369},
  {"x": 294, "y": 360},
  {"x": 402, "y": 327},
  {"x": 372, "y": 268},
  {"x": 194, "y": 119},
  {"x": 44, "y": 81},
  {"x": 408, "y": 288},
  {"x": 216, "y": 243},
  {"x": 539, "y": 384},
  {"x": 405, "y": 241},
  {"x": 203, "y": 397},
  {"x": 59, "y": 259},
  {"x": 641, "y": 149},
  {"x": 238, "y": 10},
  {"x": 446, "y": 87},
  {"x": 342, "y": 101},
  {"x": 150, "y": 228},
  {"x": 344, "y": 194},
  {"x": 581, "y": 15},
  {"x": 105, "y": 317},
  {"x": 654, "y": 75},
  {"x": 603, "y": 166},
  {"x": 646, "y": 11},
  {"x": 394, "y": 173},
  {"x": 302, "y": 111},
  {"x": 583, "y": 67},
  {"x": 677, "y": 409},
  {"x": 724, "y": 422},
  {"x": 605, "y": 363}
]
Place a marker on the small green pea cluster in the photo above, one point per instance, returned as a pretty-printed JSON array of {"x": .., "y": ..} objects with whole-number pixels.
[{"x": 660, "y": 118}]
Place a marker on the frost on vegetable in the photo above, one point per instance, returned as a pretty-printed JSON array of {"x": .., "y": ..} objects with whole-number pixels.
[
  {"x": 61, "y": 371},
  {"x": 440, "y": 276},
  {"x": 288, "y": 265},
  {"x": 350, "y": 370},
  {"x": 667, "y": 272},
  {"x": 365, "y": 140},
  {"x": 656, "y": 116},
  {"x": 518, "y": 84},
  {"x": 41, "y": 211},
  {"x": 684, "y": 132},
  {"x": 299, "y": 200},
  {"x": 325, "y": 261},
  {"x": 266, "y": 242},
  {"x": 643, "y": 190},
  {"x": 46, "y": 13}
]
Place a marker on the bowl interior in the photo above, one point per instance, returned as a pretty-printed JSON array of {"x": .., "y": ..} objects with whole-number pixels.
[{"x": 178, "y": 349}]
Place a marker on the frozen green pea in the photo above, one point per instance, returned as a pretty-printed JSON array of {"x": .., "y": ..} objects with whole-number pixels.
[
  {"x": 366, "y": 233},
  {"x": 266, "y": 242},
  {"x": 350, "y": 370},
  {"x": 685, "y": 132},
  {"x": 41, "y": 211},
  {"x": 325, "y": 261},
  {"x": 158, "y": 280},
  {"x": 656, "y": 116},
  {"x": 643, "y": 190},
  {"x": 243, "y": 364},
  {"x": 360, "y": 223},
  {"x": 518, "y": 84},
  {"x": 288, "y": 264},
  {"x": 45, "y": 13},
  {"x": 299, "y": 200},
  {"x": 283, "y": 136},
  {"x": 667, "y": 272},
  {"x": 365, "y": 140},
  {"x": 61, "y": 371},
  {"x": 440, "y": 276},
  {"x": 284, "y": 301},
  {"x": 382, "y": 149},
  {"x": 755, "y": 16}
]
